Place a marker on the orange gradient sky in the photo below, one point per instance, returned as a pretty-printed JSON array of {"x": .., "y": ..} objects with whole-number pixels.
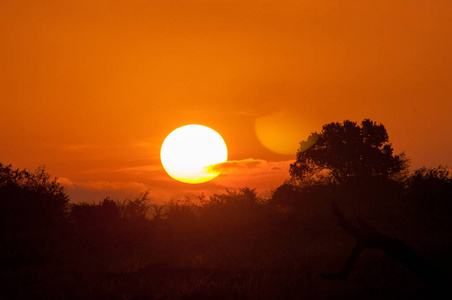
[{"x": 92, "y": 88}]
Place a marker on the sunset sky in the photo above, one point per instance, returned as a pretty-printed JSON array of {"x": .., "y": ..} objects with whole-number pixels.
[{"x": 90, "y": 89}]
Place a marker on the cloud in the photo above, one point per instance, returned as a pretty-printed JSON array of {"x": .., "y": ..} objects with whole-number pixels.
[
  {"x": 140, "y": 169},
  {"x": 104, "y": 185},
  {"x": 65, "y": 181},
  {"x": 94, "y": 191},
  {"x": 129, "y": 170},
  {"x": 233, "y": 166},
  {"x": 121, "y": 183},
  {"x": 115, "y": 185},
  {"x": 144, "y": 144},
  {"x": 263, "y": 175},
  {"x": 250, "y": 166}
]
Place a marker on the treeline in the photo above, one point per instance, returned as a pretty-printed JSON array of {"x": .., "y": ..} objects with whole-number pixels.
[
  {"x": 52, "y": 248},
  {"x": 236, "y": 244}
]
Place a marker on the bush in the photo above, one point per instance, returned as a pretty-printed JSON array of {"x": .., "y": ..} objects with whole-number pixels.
[
  {"x": 30, "y": 201},
  {"x": 33, "y": 210}
]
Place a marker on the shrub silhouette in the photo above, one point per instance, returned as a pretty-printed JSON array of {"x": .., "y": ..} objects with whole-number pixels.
[
  {"x": 33, "y": 210},
  {"x": 430, "y": 191},
  {"x": 103, "y": 218},
  {"x": 434, "y": 184},
  {"x": 30, "y": 200}
]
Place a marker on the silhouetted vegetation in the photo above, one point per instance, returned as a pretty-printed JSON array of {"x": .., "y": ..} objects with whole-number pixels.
[
  {"x": 238, "y": 244},
  {"x": 347, "y": 151},
  {"x": 33, "y": 212}
]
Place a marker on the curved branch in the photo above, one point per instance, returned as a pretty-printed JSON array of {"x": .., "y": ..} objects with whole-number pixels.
[
  {"x": 367, "y": 237},
  {"x": 352, "y": 259}
]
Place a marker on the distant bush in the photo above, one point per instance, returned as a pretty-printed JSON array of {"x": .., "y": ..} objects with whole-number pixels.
[
  {"x": 96, "y": 221},
  {"x": 102, "y": 217},
  {"x": 430, "y": 183},
  {"x": 430, "y": 191}
]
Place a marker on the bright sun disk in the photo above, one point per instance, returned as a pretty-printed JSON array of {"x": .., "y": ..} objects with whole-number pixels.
[{"x": 188, "y": 151}]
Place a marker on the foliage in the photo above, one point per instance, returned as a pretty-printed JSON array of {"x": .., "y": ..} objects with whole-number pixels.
[
  {"x": 222, "y": 213},
  {"x": 136, "y": 209},
  {"x": 243, "y": 198},
  {"x": 285, "y": 194},
  {"x": 110, "y": 215},
  {"x": 347, "y": 151},
  {"x": 430, "y": 180},
  {"x": 157, "y": 212},
  {"x": 228, "y": 245},
  {"x": 30, "y": 200},
  {"x": 96, "y": 217},
  {"x": 33, "y": 209},
  {"x": 430, "y": 190}
]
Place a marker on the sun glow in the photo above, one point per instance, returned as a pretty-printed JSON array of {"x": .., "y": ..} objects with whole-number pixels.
[
  {"x": 188, "y": 151},
  {"x": 281, "y": 132}
]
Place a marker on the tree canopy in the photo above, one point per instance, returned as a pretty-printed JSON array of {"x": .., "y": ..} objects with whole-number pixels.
[{"x": 346, "y": 151}]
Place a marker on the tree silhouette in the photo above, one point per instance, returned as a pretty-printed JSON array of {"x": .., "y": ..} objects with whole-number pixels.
[{"x": 348, "y": 151}]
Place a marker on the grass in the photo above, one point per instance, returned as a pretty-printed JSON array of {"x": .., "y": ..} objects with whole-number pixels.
[{"x": 220, "y": 250}]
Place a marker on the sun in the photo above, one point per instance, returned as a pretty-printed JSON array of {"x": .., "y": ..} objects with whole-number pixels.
[{"x": 188, "y": 151}]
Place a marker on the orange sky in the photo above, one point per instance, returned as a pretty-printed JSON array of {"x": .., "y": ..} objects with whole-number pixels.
[{"x": 92, "y": 88}]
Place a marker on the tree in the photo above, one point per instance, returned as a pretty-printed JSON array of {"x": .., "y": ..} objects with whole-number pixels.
[{"x": 347, "y": 151}]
